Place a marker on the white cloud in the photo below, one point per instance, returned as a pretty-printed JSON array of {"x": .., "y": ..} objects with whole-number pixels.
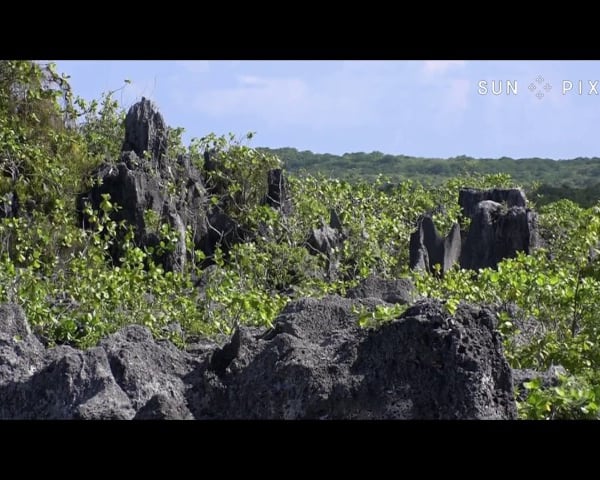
[
  {"x": 289, "y": 101},
  {"x": 432, "y": 67}
]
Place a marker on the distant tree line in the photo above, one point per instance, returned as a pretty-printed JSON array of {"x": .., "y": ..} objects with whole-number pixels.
[{"x": 545, "y": 180}]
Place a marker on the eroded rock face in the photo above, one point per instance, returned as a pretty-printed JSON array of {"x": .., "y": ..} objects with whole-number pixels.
[
  {"x": 469, "y": 198},
  {"x": 497, "y": 233},
  {"x": 428, "y": 248},
  {"x": 145, "y": 131},
  {"x": 145, "y": 180},
  {"x": 115, "y": 380},
  {"x": 401, "y": 290},
  {"x": 278, "y": 195},
  {"x": 501, "y": 226},
  {"x": 315, "y": 363}
]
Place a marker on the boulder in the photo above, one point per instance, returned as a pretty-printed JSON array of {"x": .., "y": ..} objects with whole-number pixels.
[{"x": 316, "y": 363}]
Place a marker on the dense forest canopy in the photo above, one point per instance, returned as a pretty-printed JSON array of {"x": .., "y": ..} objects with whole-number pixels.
[{"x": 545, "y": 180}]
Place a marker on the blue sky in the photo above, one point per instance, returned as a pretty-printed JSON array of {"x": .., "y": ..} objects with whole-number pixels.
[{"x": 420, "y": 108}]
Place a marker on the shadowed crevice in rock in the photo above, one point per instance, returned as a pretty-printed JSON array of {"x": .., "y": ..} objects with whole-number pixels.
[
  {"x": 427, "y": 248},
  {"x": 278, "y": 195}
]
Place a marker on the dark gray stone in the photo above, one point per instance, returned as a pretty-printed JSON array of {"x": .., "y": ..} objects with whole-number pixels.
[
  {"x": 469, "y": 198},
  {"x": 21, "y": 353},
  {"x": 278, "y": 195},
  {"x": 221, "y": 230},
  {"x": 112, "y": 381},
  {"x": 71, "y": 385},
  {"x": 550, "y": 378},
  {"x": 452, "y": 248},
  {"x": 317, "y": 364},
  {"x": 500, "y": 226},
  {"x": 326, "y": 240},
  {"x": 163, "y": 407},
  {"x": 497, "y": 233},
  {"x": 428, "y": 248},
  {"x": 145, "y": 131},
  {"x": 401, "y": 290},
  {"x": 144, "y": 368},
  {"x": 172, "y": 189}
]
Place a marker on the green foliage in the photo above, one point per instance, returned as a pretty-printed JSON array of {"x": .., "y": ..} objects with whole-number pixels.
[
  {"x": 552, "y": 179},
  {"x": 373, "y": 318},
  {"x": 239, "y": 172},
  {"x": 573, "y": 398},
  {"x": 64, "y": 278},
  {"x": 557, "y": 290}
]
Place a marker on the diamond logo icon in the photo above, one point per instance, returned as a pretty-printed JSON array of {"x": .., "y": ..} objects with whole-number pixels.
[{"x": 539, "y": 86}]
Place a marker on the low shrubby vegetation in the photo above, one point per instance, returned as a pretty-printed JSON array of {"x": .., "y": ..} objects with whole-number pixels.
[{"x": 74, "y": 292}]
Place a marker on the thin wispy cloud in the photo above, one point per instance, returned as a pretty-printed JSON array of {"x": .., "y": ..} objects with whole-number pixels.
[
  {"x": 284, "y": 101},
  {"x": 411, "y": 107},
  {"x": 441, "y": 66}
]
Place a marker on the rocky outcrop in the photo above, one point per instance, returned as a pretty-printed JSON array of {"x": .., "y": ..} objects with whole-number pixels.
[
  {"x": 500, "y": 226},
  {"x": 428, "y": 248},
  {"x": 144, "y": 180},
  {"x": 326, "y": 240},
  {"x": 173, "y": 190},
  {"x": 498, "y": 232},
  {"x": 400, "y": 290},
  {"x": 278, "y": 195},
  {"x": 469, "y": 198},
  {"x": 145, "y": 133},
  {"x": 316, "y": 363},
  {"x": 118, "y": 379}
]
